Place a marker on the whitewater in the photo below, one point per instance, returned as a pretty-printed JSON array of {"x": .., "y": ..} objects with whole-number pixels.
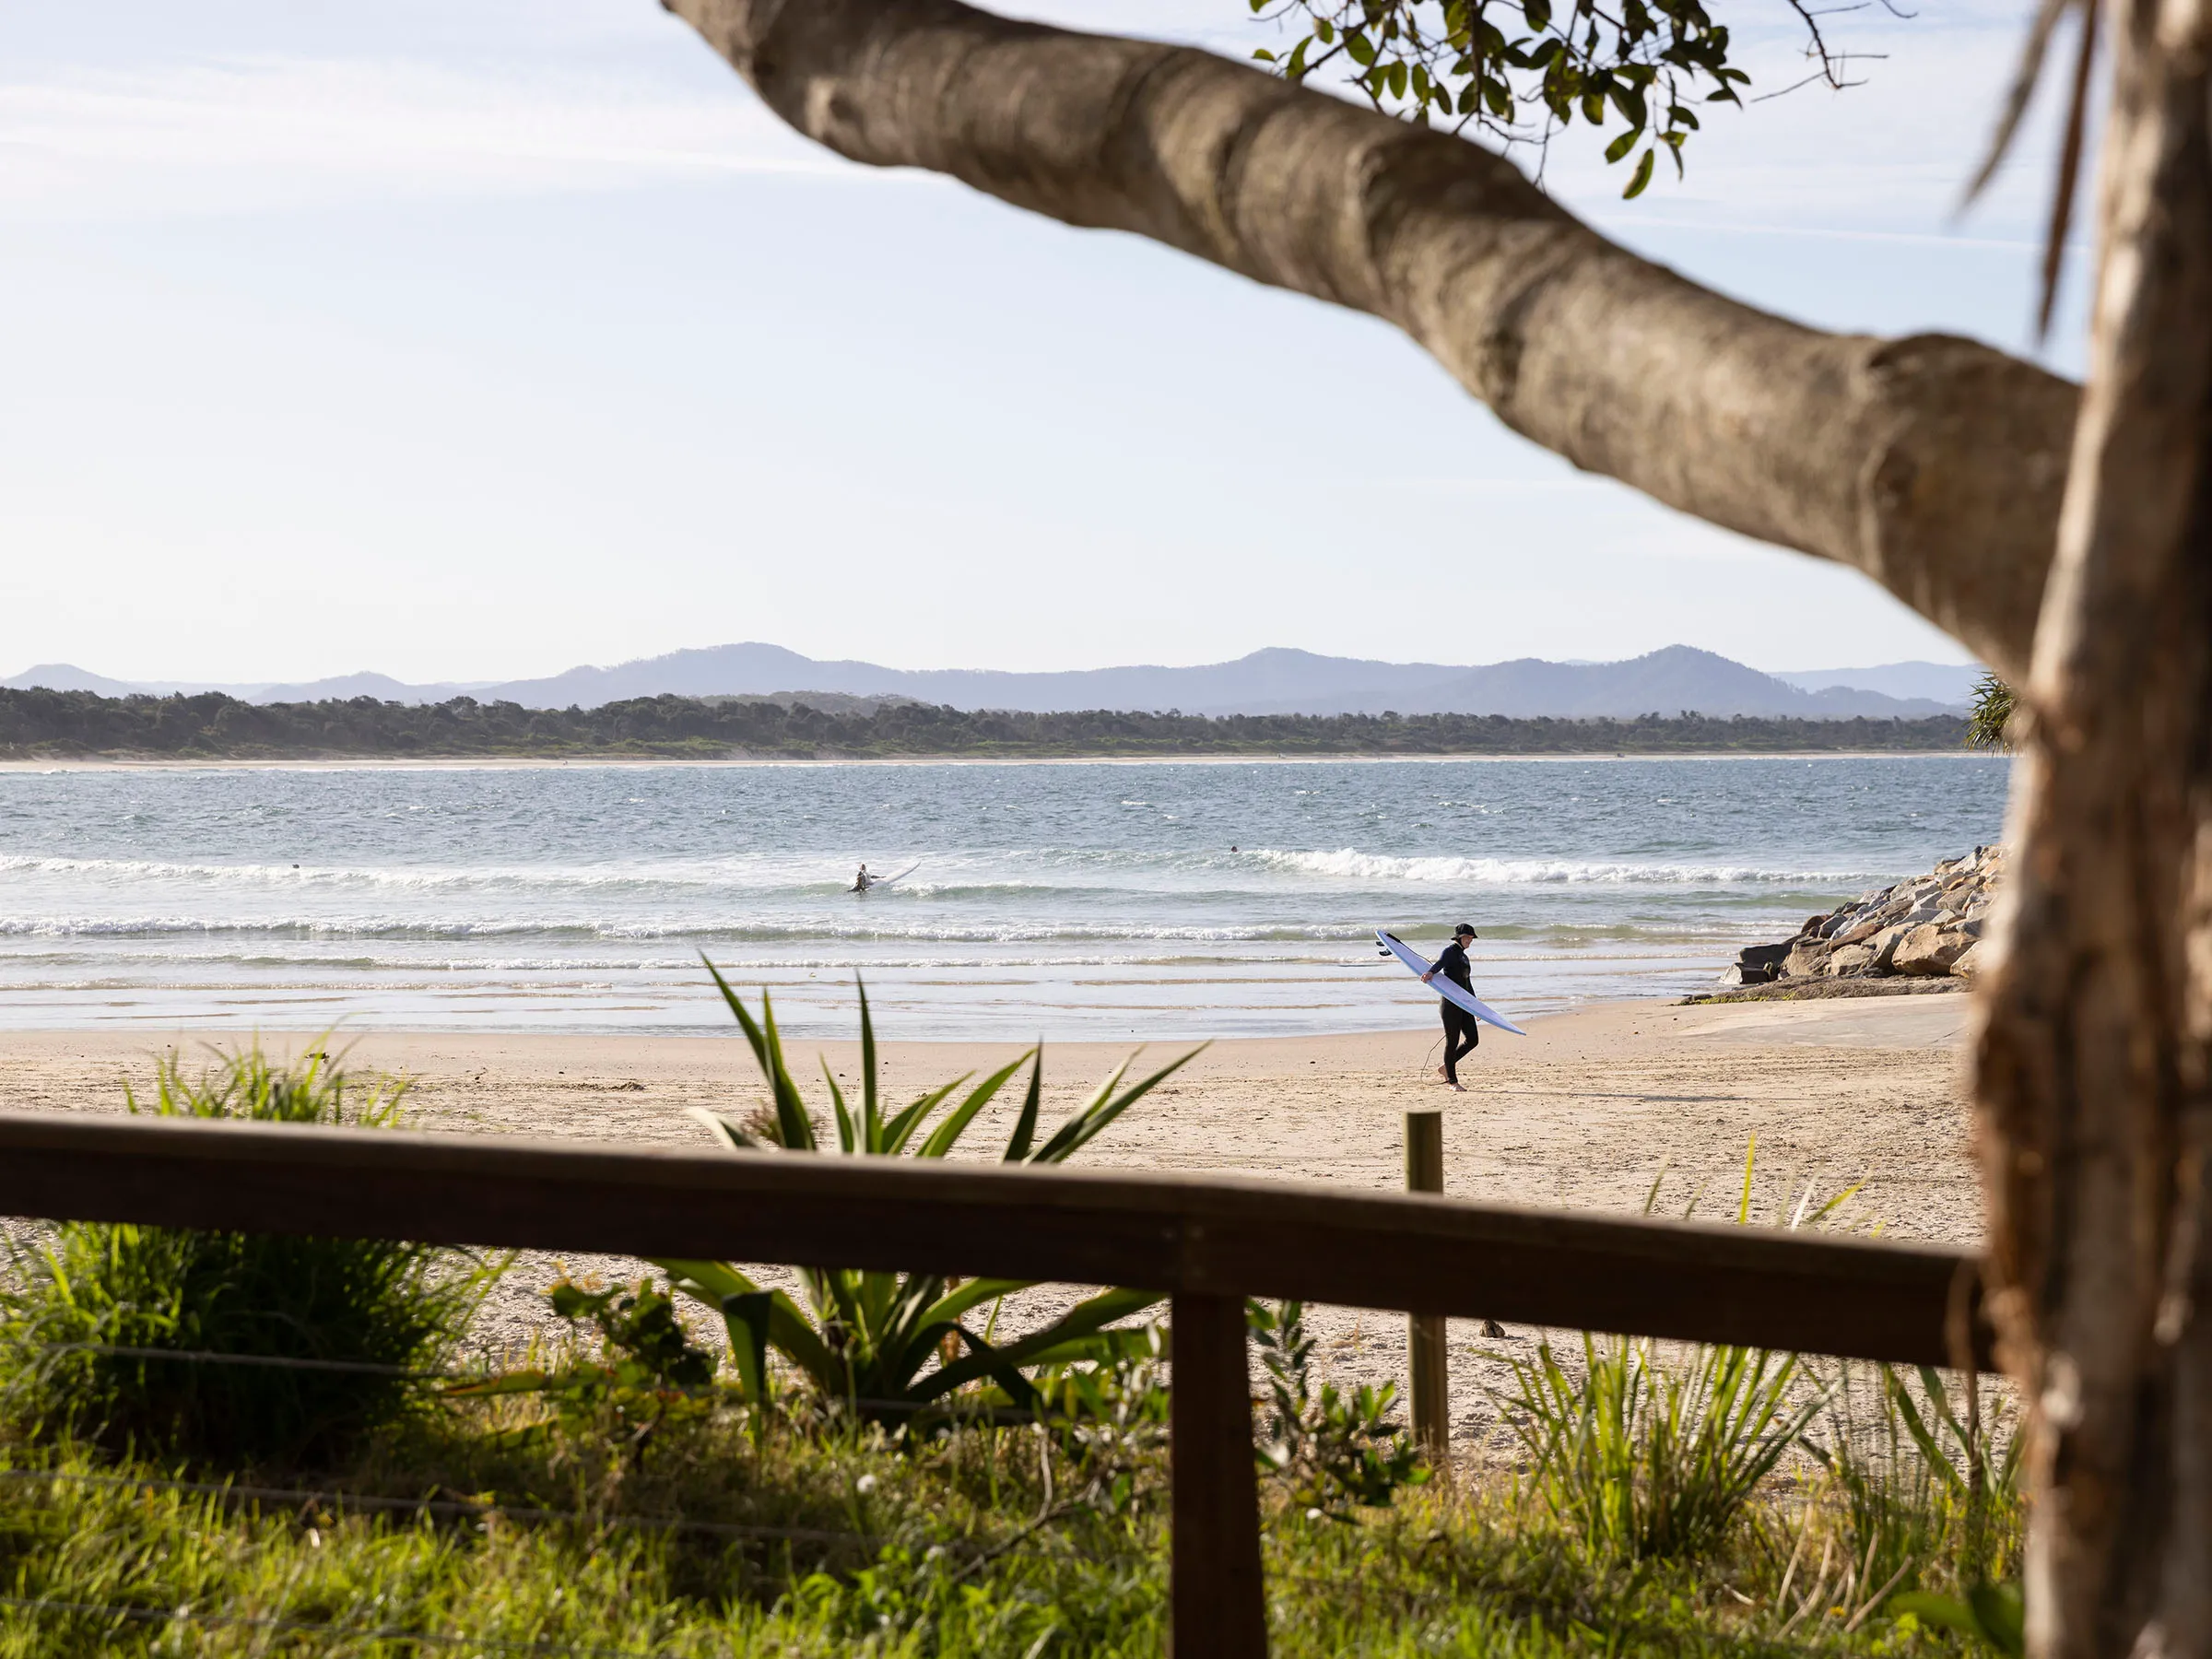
[{"x": 1183, "y": 899}]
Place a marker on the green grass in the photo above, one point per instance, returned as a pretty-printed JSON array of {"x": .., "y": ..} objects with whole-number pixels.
[{"x": 998, "y": 1541}]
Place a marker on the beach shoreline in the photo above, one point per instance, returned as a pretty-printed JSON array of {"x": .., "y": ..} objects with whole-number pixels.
[
  {"x": 647, "y": 762},
  {"x": 1595, "y": 1110},
  {"x": 1595, "y": 1099}
]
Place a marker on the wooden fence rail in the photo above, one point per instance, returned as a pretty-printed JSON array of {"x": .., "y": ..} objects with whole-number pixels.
[{"x": 1206, "y": 1242}]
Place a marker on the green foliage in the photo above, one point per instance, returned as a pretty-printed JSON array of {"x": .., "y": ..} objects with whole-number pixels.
[
  {"x": 1522, "y": 69},
  {"x": 1929, "y": 1482},
  {"x": 897, "y": 1348},
  {"x": 649, "y": 1371},
  {"x": 1331, "y": 1452},
  {"x": 38, "y": 723},
  {"x": 1108, "y": 1418},
  {"x": 640, "y": 1333},
  {"x": 1643, "y": 1459},
  {"x": 967, "y": 1545},
  {"x": 1993, "y": 1614},
  {"x": 1046, "y": 1537},
  {"x": 1988, "y": 723},
  {"x": 398, "y": 1306}
]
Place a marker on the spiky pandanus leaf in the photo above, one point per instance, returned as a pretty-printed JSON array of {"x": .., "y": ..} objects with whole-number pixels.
[{"x": 868, "y": 1338}]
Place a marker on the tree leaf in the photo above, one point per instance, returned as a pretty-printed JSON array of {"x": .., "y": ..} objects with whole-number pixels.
[
  {"x": 837, "y": 1105},
  {"x": 1025, "y": 1127},
  {"x": 941, "y": 1139},
  {"x": 871, "y": 1115},
  {"x": 1644, "y": 177}
]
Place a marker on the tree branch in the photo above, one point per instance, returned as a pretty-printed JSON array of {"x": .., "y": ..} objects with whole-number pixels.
[{"x": 1932, "y": 464}]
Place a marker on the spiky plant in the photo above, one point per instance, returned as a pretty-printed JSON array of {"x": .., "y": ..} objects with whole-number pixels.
[
  {"x": 1644, "y": 1459},
  {"x": 865, "y": 1341},
  {"x": 1989, "y": 722}
]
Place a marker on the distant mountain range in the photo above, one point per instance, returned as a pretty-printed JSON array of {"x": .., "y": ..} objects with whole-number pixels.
[
  {"x": 1275, "y": 681},
  {"x": 1950, "y": 683},
  {"x": 68, "y": 677}
]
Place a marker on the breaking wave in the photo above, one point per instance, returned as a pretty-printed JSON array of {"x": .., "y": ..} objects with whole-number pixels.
[
  {"x": 397, "y": 927},
  {"x": 1350, "y": 864},
  {"x": 1039, "y": 890}
]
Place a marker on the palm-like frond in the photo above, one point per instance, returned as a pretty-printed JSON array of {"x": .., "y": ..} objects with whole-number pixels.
[{"x": 889, "y": 1344}]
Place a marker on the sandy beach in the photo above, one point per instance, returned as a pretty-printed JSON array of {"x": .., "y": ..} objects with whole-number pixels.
[{"x": 1584, "y": 1113}]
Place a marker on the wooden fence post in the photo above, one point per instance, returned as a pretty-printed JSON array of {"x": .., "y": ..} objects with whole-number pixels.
[
  {"x": 1425, "y": 1333},
  {"x": 1219, "y": 1602}
]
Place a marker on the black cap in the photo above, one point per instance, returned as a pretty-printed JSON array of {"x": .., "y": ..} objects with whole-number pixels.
[{"x": 1467, "y": 928}]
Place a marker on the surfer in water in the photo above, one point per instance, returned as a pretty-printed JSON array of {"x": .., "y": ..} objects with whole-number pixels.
[
  {"x": 864, "y": 881},
  {"x": 1461, "y": 1033}
]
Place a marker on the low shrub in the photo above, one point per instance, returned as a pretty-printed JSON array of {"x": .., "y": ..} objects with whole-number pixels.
[
  {"x": 647, "y": 1375},
  {"x": 146, "y": 1335},
  {"x": 1657, "y": 1516},
  {"x": 1643, "y": 1459},
  {"x": 1333, "y": 1452}
]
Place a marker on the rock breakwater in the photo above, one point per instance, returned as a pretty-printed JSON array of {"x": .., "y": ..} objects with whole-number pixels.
[{"x": 1929, "y": 927}]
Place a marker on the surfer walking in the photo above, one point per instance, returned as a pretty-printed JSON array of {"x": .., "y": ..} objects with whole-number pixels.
[
  {"x": 864, "y": 881},
  {"x": 1461, "y": 1033}
]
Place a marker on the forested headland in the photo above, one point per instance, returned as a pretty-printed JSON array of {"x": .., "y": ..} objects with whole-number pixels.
[{"x": 72, "y": 724}]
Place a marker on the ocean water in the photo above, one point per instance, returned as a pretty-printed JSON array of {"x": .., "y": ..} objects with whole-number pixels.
[{"x": 1071, "y": 900}]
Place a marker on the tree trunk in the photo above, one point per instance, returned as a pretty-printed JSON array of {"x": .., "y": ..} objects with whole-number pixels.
[
  {"x": 2093, "y": 1088},
  {"x": 1932, "y": 464}
]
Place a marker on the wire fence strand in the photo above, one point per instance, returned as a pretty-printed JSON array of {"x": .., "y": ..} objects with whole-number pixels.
[
  {"x": 271, "y": 1361},
  {"x": 459, "y": 1508},
  {"x": 988, "y": 1416},
  {"x": 288, "y": 1627}
]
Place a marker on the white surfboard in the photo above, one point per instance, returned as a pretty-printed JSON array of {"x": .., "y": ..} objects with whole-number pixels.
[
  {"x": 877, "y": 881},
  {"x": 1447, "y": 989}
]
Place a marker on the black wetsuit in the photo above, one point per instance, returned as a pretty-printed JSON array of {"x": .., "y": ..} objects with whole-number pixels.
[{"x": 1461, "y": 1032}]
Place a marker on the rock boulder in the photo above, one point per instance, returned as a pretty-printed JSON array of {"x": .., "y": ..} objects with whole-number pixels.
[
  {"x": 1805, "y": 958},
  {"x": 1928, "y": 950},
  {"x": 1848, "y": 960},
  {"x": 1925, "y": 927}
]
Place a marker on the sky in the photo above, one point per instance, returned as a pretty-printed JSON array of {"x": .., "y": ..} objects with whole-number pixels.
[{"x": 471, "y": 339}]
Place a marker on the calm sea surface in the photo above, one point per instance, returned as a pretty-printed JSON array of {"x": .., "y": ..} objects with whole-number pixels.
[{"x": 1070, "y": 901}]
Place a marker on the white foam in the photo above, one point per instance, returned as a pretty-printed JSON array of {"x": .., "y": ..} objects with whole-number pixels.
[{"x": 1350, "y": 864}]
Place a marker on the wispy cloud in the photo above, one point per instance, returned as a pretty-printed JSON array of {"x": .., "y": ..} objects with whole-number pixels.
[
  {"x": 246, "y": 130},
  {"x": 245, "y": 134}
]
